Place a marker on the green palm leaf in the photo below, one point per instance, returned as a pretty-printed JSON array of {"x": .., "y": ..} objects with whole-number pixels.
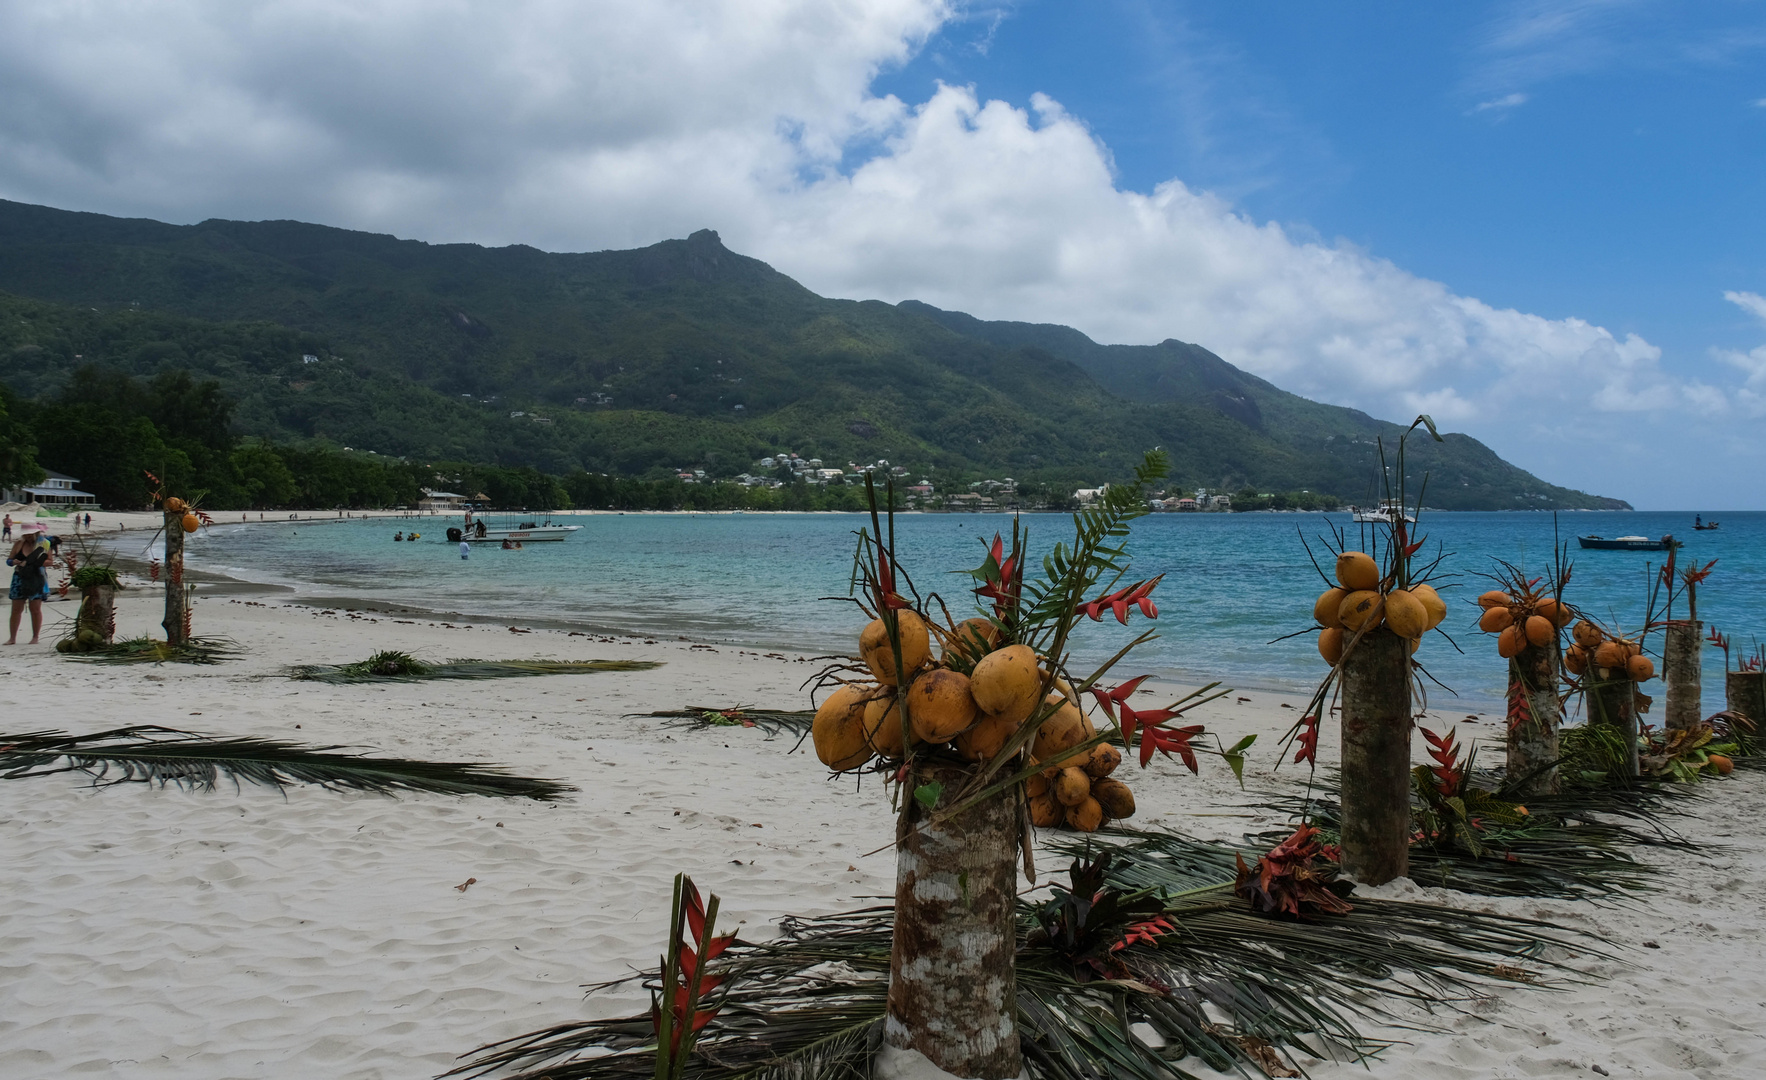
[{"x": 151, "y": 754}]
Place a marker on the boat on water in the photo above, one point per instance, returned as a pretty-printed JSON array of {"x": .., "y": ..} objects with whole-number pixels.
[
  {"x": 517, "y": 530},
  {"x": 1625, "y": 543},
  {"x": 1699, "y": 523},
  {"x": 1384, "y": 514}
]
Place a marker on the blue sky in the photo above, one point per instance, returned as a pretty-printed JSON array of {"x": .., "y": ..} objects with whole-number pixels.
[
  {"x": 1599, "y": 160},
  {"x": 1538, "y": 222}
]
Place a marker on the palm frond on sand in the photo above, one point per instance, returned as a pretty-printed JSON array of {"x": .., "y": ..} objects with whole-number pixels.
[
  {"x": 772, "y": 721},
  {"x": 1227, "y": 989},
  {"x": 402, "y": 667},
  {"x": 146, "y": 650},
  {"x": 148, "y": 753},
  {"x": 1576, "y": 845}
]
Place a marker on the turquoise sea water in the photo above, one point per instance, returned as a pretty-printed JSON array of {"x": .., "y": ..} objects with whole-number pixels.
[{"x": 1234, "y": 581}]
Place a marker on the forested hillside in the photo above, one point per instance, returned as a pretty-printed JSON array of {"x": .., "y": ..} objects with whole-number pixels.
[{"x": 638, "y": 363}]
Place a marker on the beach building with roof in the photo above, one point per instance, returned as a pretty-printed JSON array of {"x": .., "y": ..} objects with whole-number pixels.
[
  {"x": 56, "y": 490},
  {"x": 441, "y": 500}
]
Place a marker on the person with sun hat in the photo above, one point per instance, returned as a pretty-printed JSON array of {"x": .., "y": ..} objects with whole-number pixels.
[{"x": 30, "y": 558}]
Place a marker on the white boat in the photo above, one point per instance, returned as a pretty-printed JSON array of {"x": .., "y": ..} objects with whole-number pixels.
[
  {"x": 519, "y": 530},
  {"x": 1384, "y": 514}
]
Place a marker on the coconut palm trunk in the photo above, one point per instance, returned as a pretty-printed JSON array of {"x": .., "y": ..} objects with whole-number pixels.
[
  {"x": 97, "y": 615},
  {"x": 952, "y": 974},
  {"x": 1611, "y": 699},
  {"x": 1681, "y": 655},
  {"x": 1376, "y": 758},
  {"x": 1535, "y": 711},
  {"x": 177, "y": 598},
  {"x": 1745, "y": 693}
]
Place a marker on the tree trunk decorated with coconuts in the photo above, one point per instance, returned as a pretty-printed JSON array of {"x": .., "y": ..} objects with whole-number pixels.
[
  {"x": 1371, "y": 620},
  {"x": 977, "y": 730},
  {"x": 1527, "y": 615},
  {"x": 180, "y": 518}
]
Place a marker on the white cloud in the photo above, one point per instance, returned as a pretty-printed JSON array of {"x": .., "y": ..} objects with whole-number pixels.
[
  {"x": 1504, "y": 103},
  {"x": 1760, "y": 104},
  {"x": 584, "y": 125}
]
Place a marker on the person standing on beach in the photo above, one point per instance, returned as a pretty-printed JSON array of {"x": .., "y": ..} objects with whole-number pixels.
[
  {"x": 29, "y": 559},
  {"x": 7, "y": 535}
]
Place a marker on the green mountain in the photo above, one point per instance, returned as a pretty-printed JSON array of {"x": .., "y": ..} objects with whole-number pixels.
[{"x": 680, "y": 355}]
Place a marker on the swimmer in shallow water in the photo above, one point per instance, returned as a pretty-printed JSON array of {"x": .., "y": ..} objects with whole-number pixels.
[{"x": 398, "y": 537}]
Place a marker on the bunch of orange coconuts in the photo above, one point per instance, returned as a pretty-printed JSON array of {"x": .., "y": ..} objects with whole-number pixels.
[
  {"x": 1356, "y": 605},
  {"x": 1613, "y": 655},
  {"x": 972, "y": 716},
  {"x": 1529, "y": 621},
  {"x": 189, "y": 521}
]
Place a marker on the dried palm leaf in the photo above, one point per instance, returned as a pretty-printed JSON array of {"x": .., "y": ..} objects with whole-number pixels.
[{"x": 148, "y": 753}]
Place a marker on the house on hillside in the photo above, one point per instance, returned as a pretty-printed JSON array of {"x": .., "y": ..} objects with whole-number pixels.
[
  {"x": 445, "y": 501},
  {"x": 56, "y": 490}
]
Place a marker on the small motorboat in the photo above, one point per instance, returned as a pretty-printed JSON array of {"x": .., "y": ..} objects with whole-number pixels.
[
  {"x": 1386, "y": 514},
  {"x": 1625, "y": 543},
  {"x": 1699, "y": 523}
]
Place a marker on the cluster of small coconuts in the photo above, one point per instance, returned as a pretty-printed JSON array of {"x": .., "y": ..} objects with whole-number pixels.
[
  {"x": 1356, "y": 604},
  {"x": 1529, "y": 621},
  {"x": 1612, "y": 655},
  {"x": 971, "y": 716}
]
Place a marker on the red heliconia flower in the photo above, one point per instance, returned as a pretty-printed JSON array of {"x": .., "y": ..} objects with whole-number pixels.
[
  {"x": 887, "y": 597},
  {"x": 1108, "y": 700},
  {"x": 1118, "y": 602},
  {"x": 1168, "y": 741},
  {"x": 999, "y": 573},
  {"x": 1445, "y": 750},
  {"x": 1148, "y": 931},
  {"x": 1308, "y": 751}
]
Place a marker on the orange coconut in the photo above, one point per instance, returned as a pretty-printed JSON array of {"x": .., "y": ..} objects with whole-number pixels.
[
  {"x": 883, "y": 725},
  {"x": 1062, "y": 731},
  {"x": 1510, "y": 642},
  {"x": 839, "y": 729},
  {"x": 1640, "y": 668},
  {"x": 1611, "y": 655},
  {"x": 1405, "y": 614},
  {"x": 174, "y": 505},
  {"x": 916, "y": 647},
  {"x": 1325, "y": 610},
  {"x": 1087, "y": 816},
  {"x": 1103, "y": 760},
  {"x": 1358, "y": 610},
  {"x": 1495, "y": 620},
  {"x": 1721, "y": 763},
  {"x": 1495, "y": 598},
  {"x": 1357, "y": 571},
  {"x": 1045, "y": 812},
  {"x": 1548, "y": 608},
  {"x": 940, "y": 706},
  {"x": 1432, "y": 602},
  {"x": 1540, "y": 630},
  {"x": 987, "y": 738},
  {"x": 972, "y": 639},
  {"x": 1007, "y": 681},
  {"x": 1576, "y": 659},
  {"x": 1072, "y": 786},
  {"x": 1330, "y": 646},
  {"x": 1115, "y": 797},
  {"x": 1036, "y": 785},
  {"x": 192, "y": 523},
  {"x": 1587, "y": 635}
]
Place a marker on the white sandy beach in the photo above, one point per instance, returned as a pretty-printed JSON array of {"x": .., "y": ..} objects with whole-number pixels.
[{"x": 156, "y": 933}]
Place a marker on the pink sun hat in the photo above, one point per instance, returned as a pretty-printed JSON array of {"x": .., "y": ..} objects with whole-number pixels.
[{"x": 33, "y": 526}]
